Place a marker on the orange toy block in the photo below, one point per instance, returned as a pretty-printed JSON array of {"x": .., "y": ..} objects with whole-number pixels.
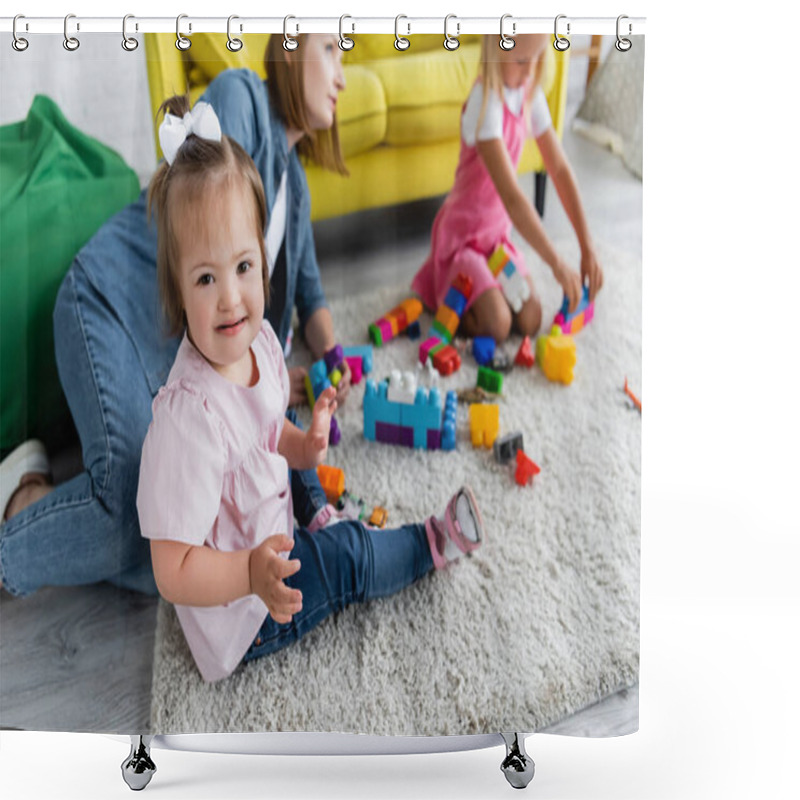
[
  {"x": 526, "y": 469},
  {"x": 332, "y": 480},
  {"x": 413, "y": 309},
  {"x": 484, "y": 424},
  {"x": 448, "y": 319}
]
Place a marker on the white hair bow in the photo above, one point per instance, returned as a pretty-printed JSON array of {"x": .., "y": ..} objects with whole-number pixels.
[{"x": 201, "y": 121}]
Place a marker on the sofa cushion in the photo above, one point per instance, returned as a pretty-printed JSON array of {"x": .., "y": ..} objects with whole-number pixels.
[{"x": 375, "y": 46}]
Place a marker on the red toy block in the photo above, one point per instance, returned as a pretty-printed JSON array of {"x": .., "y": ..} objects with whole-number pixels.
[
  {"x": 526, "y": 469},
  {"x": 464, "y": 284},
  {"x": 525, "y": 357},
  {"x": 447, "y": 360}
]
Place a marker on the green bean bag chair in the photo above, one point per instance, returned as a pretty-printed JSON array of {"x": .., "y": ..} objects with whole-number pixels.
[{"x": 57, "y": 187}]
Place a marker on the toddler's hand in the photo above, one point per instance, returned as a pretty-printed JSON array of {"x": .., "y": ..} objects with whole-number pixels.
[
  {"x": 591, "y": 272},
  {"x": 571, "y": 284},
  {"x": 343, "y": 388},
  {"x": 297, "y": 386},
  {"x": 267, "y": 574},
  {"x": 320, "y": 428}
]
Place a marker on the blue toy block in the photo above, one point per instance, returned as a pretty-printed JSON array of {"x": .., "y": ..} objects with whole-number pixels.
[
  {"x": 483, "y": 348},
  {"x": 455, "y": 300},
  {"x": 413, "y": 331},
  {"x": 365, "y": 351},
  {"x": 448, "y": 438},
  {"x": 581, "y": 306},
  {"x": 509, "y": 269}
]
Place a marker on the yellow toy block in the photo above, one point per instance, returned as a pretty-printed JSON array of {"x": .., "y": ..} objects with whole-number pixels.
[
  {"x": 335, "y": 377},
  {"x": 484, "y": 424},
  {"x": 310, "y": 392},
  {"x": 448, "y": 318},
  {"x": 497, "y": 260},
  {"x": 556, "y": 355}
]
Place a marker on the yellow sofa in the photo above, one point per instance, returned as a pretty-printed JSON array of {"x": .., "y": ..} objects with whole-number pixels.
[{"x": 398, "y": 118}]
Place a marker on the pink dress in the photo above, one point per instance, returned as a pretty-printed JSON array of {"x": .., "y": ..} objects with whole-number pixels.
[
  {"x": 471, "y": 223},
  {"x": 211, "y": 475}
]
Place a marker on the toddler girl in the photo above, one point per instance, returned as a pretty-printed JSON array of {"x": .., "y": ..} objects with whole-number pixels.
[
  {"x": 214, "y": 496},
  {"x": 486, "y": 199}
]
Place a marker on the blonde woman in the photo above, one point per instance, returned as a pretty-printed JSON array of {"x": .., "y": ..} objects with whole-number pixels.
[{"x": 113, "y": 355}]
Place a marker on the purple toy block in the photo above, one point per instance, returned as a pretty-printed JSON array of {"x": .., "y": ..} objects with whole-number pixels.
[
  {"x": 333, "y": 358},
  {"x": 335, "y": 435},
  {"x": 387, "y": 433},
  {"x": 434, "y": 439},
  {"x": 406, "y": 436}
]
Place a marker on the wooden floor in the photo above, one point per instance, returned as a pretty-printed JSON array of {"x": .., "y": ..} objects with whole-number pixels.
[{"x": 80, "y": 659}]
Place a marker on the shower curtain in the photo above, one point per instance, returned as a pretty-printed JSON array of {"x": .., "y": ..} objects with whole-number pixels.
[{"x": 537, "y": 624}]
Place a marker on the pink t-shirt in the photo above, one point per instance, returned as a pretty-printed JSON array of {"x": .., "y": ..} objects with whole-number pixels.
[{"x": 211, "y": 475}]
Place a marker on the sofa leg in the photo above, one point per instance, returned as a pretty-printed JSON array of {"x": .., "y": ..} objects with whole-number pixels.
[{"x": 539, "y": 186}]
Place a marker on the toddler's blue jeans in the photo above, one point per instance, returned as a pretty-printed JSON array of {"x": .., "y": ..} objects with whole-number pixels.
[{"x": 341, "y": 564}]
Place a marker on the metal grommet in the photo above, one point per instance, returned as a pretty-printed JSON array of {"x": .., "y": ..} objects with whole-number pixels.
[
  {"x": 560, "y": 43},
  {"x": 18, "y": 43},
  {"x": 289, "y": 42},
  {"x": 345, "y": 42},
  {"x": 622, "y": 44},
  {"x": 400, "y": 42},
  {"x": 506, "y": 42},
  {"x": 451, "y": 43},
  {"x": 128, "y": 42},
  {"x": 181, "y": 42},
  {"x": 70, "y": 42},
  {"x": 234, "y": 45}
]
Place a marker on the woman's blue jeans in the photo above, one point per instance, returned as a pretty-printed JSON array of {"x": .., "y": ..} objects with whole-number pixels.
[
  {"x": 342, "y": 564},
  {"x": 87, "y": 529}
]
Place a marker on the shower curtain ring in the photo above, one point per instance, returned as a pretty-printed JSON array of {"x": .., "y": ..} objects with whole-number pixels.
[
  {"x": 400, "y": 42},
  {"x": 622, "y": 44},
  {"x": 506, "y": 42},
  {"x": 561, "y": 43},
  {"x": 451, "y": 43},
  {"x": 71, "y": 43},
  {"x": 181, "y": 42},
  {"x": 290, "y": 44},
  {"x": 234, "y": 45},
  {"x": 128, "y": 42},
  {"x": 18, "y": 43},
  {"x": 345, "y": 42}
]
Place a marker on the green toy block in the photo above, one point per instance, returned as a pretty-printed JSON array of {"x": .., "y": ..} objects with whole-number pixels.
[{"x": 490, "y": 380}]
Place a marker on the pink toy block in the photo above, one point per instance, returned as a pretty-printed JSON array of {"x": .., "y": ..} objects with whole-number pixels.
[{"x": 356, "y": 368}]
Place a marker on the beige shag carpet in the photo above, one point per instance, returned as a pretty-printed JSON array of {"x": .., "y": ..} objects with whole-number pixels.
[{"x": 539, "y": 623}]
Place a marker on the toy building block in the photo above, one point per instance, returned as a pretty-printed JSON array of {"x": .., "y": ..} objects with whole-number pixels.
[
  {"x": 413, "y": 331},
  {"x": 378, "y": 517},
  {"x": 443, "y": 329},
  {"x": 500, "y": 362},
  {"x": 332, "y": 480},
  {"x": 362, "y": 351},
  {"x": 483, "y": 348},
  {"x": 484, "y": 424},
  {"x": 448, "y": 439},
  {"x": 506, "y": 447},
  {"x": 524, "y": 356},
  {"x": 395, "y": 321},
  {"x": 571, "y": 323},
  {"x": 402, "y": 387},
  {"x": 556, "y": 355},
  {"x": 526, "y": 469},
  {"x": 356, "y": 368},
  {"x": 413, "y": 424},
  {"x": 322, "y": 374},
  {"x": 514, "y": 286},
  {"x": 490, "y": 380}
]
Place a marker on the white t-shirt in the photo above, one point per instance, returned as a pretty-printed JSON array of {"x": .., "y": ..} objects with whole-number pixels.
[
  {"x": 492, "y": 125},
  {"x": 276, "y": 227}
]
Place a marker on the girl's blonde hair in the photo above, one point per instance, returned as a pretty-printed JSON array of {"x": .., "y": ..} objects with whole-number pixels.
[
  {"x": 175, "y": 187},
  {"x": 492, "y": 76},
  {"x": 285, "y": 81}
]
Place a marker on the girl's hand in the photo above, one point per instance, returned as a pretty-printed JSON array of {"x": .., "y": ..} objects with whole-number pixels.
[
  {"x": 297, "y": 386},
  {"x": 267, "y": 574},
  {"x": 316, "y": 442},
  {"x": 343, "y": 389},
  {"x": 591, "y": 272},
  {"x": 571, "y": 284}
]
